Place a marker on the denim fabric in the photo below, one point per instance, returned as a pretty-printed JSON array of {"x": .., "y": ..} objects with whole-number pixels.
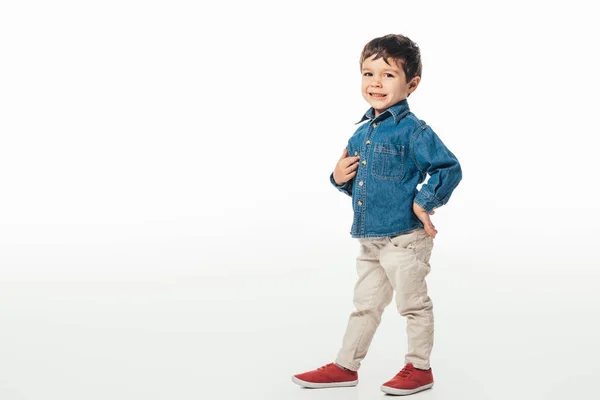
[{"x": 397, "y": 151}]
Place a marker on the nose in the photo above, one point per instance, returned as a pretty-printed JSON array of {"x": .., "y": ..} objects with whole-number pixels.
[{"x": 375, "y": 83}]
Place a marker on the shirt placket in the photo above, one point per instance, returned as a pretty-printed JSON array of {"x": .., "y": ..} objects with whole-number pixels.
[{"x": 361, "y": 190}]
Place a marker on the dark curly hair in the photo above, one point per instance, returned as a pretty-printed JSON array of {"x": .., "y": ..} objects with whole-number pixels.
[{"x": 399, "y": 48}]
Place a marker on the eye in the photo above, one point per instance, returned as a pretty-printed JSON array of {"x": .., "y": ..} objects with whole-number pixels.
[
  {"x": 389, "y": 75},
  {"x": 367, "y": 74}
]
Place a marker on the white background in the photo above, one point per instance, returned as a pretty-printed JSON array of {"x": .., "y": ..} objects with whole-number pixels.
[{"x": 168, "y": 229}]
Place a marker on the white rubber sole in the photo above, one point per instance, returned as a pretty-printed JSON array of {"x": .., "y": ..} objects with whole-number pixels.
[
  {"x": 313, "y": 385},
  {"x": 404, "y": 392}
]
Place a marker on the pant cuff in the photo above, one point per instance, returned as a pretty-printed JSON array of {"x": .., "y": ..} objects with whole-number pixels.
[
  {"x": 348, "y": 365},
  {"x": 419, "y": 365}
]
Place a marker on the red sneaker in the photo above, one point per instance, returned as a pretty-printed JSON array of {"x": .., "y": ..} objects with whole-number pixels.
[
  {"x": 408, "y": 381},
  {"x": 327, "y": 376}
]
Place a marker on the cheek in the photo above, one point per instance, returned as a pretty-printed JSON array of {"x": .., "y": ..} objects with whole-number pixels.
[{"x": 392, "y": 89}]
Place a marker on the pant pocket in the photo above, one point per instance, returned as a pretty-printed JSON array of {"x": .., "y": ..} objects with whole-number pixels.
[{"x": 405, "y": 240}]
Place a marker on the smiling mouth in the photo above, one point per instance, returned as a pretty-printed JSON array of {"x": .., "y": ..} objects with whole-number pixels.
[{"x": 377, "y": 95}]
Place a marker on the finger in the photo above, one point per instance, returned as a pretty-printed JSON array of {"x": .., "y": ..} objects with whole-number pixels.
[
  {"x": 431, "y": 231},
  {"x": 429, "y": 227},
  {"x": 351, "y": 168},
  {"x": 432, "y": 212},
  {"x": 344, "y": 154},
  {"x": 349, "y": 161}
]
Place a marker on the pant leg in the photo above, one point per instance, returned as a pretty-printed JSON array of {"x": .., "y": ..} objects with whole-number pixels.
[
  {"x": 372, "y": 293},
  {"x": 405, "y": 259}
]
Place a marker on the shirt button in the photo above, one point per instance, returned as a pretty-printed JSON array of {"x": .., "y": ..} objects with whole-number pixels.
[
  {"x": 374, "y": 124},
  {"x": 361, "y": 183},
  {"x": 360, "y": 203},
  {"x": 368, "y": 142},
  {"x": 364, "y": 162},
  {"x": 356, "y": 153}
]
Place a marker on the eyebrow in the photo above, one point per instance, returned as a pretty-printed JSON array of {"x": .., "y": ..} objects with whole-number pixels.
[{"x": 397, "y": 71}]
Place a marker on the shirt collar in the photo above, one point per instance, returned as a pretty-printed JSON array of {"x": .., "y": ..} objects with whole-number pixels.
[{"x": 398, "y": 111}]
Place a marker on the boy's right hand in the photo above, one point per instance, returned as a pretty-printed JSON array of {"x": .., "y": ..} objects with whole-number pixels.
[{"x": 345, "y": 168}]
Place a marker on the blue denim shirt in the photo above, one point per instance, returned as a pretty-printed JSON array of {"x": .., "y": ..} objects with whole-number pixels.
[{"x": 397, "y": 151}]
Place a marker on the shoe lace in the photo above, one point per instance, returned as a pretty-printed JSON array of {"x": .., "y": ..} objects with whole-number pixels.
[
  {"x": 324, "y": 366},
  {"x": 406, "y": 371}
]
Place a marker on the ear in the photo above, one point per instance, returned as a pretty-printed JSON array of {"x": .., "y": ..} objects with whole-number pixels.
[
  {"x": 412, "y": 86},
  {"x": 414, "y": 82}
]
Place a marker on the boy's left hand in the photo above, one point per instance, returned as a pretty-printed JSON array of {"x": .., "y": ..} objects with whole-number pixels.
[{"x": 424, "y": 218}]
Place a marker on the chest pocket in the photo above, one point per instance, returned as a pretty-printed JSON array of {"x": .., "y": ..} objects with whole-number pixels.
[{"x": 388, "y": 161}]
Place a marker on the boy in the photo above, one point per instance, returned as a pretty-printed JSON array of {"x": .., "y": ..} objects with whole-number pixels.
[{"x": 380, "y": 169}]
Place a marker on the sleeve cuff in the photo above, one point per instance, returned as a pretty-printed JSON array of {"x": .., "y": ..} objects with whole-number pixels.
[
  {"x": 343, "y": 187},
  {"x": 333, "y": 181},
  {"x": 427, "y": 201}
]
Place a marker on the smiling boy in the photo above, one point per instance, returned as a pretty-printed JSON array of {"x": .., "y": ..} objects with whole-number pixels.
[{"x": 380, "y": 168}]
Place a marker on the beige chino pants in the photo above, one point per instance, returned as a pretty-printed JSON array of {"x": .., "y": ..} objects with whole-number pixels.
[{"x": 384, "y": 265}]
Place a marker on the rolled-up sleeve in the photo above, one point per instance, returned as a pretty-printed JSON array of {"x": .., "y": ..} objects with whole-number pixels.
[
  {"x": 434, "y": 158},
  {"x": 345, "y": 187}
]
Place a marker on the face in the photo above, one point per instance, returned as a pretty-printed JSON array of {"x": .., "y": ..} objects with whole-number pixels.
[{"x": 384, "y": 85}]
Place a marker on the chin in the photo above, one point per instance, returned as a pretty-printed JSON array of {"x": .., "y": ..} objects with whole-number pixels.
[{"x": 379, "y": 105}]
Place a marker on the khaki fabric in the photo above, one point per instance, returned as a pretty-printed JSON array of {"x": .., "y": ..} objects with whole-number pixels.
[{"x": 385, "y": 266}]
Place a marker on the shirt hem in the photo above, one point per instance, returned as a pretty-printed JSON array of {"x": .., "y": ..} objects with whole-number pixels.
[{"x": 382, "y": 235}]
